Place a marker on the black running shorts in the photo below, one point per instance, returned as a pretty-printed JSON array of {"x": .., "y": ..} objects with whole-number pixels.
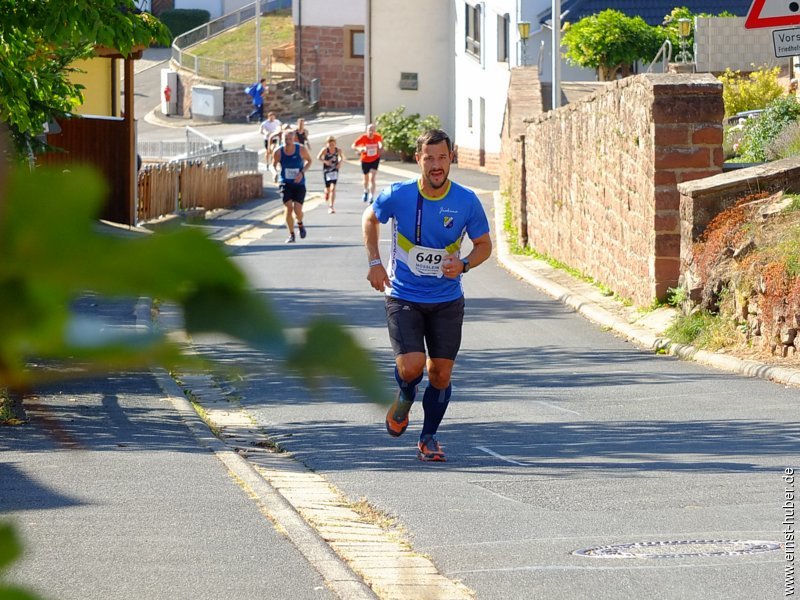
[
  {"x": 293, "y": 191},
  {"x": 415, "y": 325},
  {"x": 366, "y": 167}
]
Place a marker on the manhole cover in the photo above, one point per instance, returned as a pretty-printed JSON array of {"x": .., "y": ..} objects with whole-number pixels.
[{"x": 679, "y": 549}]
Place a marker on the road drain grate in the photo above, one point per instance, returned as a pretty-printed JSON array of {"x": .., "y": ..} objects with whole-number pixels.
[{"x": 679, "y": 549}]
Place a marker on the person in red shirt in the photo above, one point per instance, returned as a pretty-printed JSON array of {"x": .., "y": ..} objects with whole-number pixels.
[{"x": 369, "y": 145}]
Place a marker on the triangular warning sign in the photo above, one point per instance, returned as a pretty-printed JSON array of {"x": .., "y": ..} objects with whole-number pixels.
[{"x": 772, "y": 13}]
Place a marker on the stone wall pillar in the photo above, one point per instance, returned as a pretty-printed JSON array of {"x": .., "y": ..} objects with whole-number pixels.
[{"x": 602, "y": 176}]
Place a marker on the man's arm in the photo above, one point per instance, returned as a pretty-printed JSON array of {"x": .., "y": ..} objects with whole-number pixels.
[
  {"x": 371, "y": 227},
  {"x": 306, "y": 163},
  {"x": 276, "y": 160},
  {"x": 481, "y": 250}
]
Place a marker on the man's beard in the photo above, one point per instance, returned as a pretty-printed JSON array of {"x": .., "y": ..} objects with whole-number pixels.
[{"x": 433, "y": 185}]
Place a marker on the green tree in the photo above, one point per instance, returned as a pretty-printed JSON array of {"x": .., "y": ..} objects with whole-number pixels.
[
  {"x": 611, "y": 42},
  {"x": 39, "y": 41}
]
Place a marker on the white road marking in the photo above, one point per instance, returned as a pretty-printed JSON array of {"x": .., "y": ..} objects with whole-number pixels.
[
  {"x": 543, "y": 403},
  {"x": 662, "y": 564},
  {"x": 500, "y": 456}
]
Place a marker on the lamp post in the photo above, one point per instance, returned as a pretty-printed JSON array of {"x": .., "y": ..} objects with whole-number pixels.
[
  {"x": 258, "y": 40},
  {"x": 684, "y": 29},
  {"x": 555, "y": 55},
  {"x": 524, "y": 30}
]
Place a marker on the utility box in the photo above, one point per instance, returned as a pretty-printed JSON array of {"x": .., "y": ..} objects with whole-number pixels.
[
  {"x": 207, "y": 102},
  {"x": 169, "y": 92}
]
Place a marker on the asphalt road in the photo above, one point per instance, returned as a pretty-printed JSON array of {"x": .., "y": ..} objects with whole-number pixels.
[{"x": 560, "y": 436}]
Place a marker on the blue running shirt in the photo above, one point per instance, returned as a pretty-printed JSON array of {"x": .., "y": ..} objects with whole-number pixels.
[
  {"x": 421, "y": 240},
  {"x": 291, "y": 165}
]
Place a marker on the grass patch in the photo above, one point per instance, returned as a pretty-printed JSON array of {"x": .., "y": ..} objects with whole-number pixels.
[
  {"x": 239, "y": 45},
  {"x": 375, "y": 516},
  {"x": 204, "y": 415},
  {"x": 704, "y": 330}
]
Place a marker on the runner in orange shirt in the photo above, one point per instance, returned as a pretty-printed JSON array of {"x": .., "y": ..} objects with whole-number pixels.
[{"x": 369, "y": 145}]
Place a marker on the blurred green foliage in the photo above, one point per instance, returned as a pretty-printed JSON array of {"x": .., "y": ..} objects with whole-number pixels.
[{"x": 50, "y": 253}]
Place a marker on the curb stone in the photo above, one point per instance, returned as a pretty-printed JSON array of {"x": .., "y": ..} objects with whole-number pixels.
[
  {"x": 540, "y": 274},
  {"x": 358, "y": 559}
]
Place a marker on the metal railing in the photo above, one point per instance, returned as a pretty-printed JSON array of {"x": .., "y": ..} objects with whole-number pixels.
[
  {"x": 238, "y": 162},
  {"x": 199, "y": 144},
  {"x": 541, "y": 57},
  {"x": 220, "y": 69},
  {"x": 310, "y": 87},
  {"x": 666, "y": 57},
  {"x": 160, "y": 150}
]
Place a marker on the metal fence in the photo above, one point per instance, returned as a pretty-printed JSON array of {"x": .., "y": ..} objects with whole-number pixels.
[
  {"x": 239, "y": 161},
  {"x": 311, "y": 88},
  {"x": 226, "y": 70},
  {"x": 199, "y": 144}
]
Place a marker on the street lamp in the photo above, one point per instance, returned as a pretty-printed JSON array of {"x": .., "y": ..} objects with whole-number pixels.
[
  {"x": 524, "y": 30},
  {"x": 684, "y": 29}
]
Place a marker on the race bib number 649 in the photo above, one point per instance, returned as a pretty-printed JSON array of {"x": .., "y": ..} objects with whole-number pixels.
[{"x": 426, "y": 261}]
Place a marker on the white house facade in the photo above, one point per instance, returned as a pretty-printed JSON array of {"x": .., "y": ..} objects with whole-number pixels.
[
  {"x": 487, "y": 46},
  {"x": 410, "y": 61}
]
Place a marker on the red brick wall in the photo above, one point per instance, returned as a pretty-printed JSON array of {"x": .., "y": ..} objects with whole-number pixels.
[
  {"x": 470, "y": 158},
  {"x": 602, "y": 174},
  {"x": 321, "y": 53}
]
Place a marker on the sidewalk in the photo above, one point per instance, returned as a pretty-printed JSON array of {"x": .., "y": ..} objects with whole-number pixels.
[{"x": 118, "y": 490}]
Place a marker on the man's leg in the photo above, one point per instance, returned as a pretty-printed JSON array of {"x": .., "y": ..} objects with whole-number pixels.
[
  {"x": 365, "y": 197},
  {"x": 437, "y": 394},
  {"x": 298, "y": 213},
  {"x": 443, "y": 325},
  {"x": 288, "y": 213},
  {"x": 373, "y": 183},
  {"x": 407, "y": 334}
]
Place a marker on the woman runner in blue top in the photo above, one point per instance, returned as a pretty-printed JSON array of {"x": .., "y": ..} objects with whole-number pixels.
[{"x": 424, "y": 297}]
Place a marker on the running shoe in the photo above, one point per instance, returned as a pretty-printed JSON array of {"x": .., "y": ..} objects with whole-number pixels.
[
  {"x": 302, "y": 231},
  {"x": 397, "y": 416},
  {"x": 290, "y": 239},
  {"x": 429, "y": 450},
  {"x": 365, "y": 197},
  {"x": 331, "y": 210}
]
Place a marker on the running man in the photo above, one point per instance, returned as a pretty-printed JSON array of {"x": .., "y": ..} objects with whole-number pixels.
[
  {"x": 370, "y": 145},
  {"x": 331, "y": 157},
  {"x": 424, "y": 295},
  {"x": 290, "y": 162},
  {"x": 270, "y": 128}
]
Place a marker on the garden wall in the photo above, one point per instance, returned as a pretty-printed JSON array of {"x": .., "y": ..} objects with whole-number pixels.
[
  {"x": 600, "y": 178},
  {"x": 702, "y": 200}
]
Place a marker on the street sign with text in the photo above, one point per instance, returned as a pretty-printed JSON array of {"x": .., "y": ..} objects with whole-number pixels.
[
  {"x": 772, "y": 13},
  {"x": 786, "y": 42}
]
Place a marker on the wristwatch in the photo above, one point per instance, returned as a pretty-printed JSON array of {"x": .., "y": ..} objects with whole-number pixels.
[{"x": 465, "y": 262}]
